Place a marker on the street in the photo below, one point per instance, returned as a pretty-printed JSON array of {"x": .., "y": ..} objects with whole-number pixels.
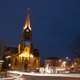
[
  {"x": 24, "y": 77},
  {"x": 16, "y": 75}
]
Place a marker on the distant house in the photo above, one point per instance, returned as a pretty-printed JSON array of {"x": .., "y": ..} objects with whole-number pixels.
[
  {"x": 8, "y": 51},
  {"x": 76, "y": 62},
  {"x": 53, "y": 62}
]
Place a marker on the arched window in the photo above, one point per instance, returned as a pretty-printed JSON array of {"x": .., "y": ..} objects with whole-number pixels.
[
  {"x": 35, "y": 62},
  {"x": 28, "y": 36},
  {"x": 25, "y": 36},
  {"x": 16, "y": 61}
]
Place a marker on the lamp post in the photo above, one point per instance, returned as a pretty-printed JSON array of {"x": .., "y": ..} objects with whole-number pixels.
[
  {"x": 1, "y": 61},
  {"x": 7, "y": 57}
]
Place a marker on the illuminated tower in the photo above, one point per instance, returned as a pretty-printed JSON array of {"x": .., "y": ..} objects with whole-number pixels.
[
  {"x": 27, "y": 33},
  {"x": 27, "y": 58},
  {"x": 26, "y": 45}
]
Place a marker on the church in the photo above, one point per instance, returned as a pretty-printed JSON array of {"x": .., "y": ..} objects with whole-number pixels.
[{"x": 27, "y": 58}]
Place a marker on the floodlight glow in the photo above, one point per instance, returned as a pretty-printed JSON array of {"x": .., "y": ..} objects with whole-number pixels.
[
  {"x": 64, "y": 62},
  {"x": 1, "y": 61},
  {"x": 8, "y": 57},
  {"x": 22, "y": 55},
  {"x": 30, "y": 55}
]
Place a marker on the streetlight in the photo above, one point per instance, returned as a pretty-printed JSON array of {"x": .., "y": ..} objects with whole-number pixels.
[
  {"x": 7, "y": 57},
  {"x": 9, "y": 65},
  {"x": 59, "y": 60},
  {"x": 1, "y": 61},
  {"x": 68, "y": 60},
  {"x": 66, "y": 57}
]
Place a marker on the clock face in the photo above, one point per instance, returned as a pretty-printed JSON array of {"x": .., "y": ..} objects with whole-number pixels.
[{"x": 27, "y": 30}]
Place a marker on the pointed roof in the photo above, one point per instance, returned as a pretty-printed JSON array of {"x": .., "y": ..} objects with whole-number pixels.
[{"x": 27, "y": 23}]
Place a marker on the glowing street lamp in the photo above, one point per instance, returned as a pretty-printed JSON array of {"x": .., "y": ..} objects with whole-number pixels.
[
  {"x": 9, "y": 65},
  {"x": 66, "y": 57},
  {"x": 59, "y": 60},
  {"x": 7, "y": 57}
]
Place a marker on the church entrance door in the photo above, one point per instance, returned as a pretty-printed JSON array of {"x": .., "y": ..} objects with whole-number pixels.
[{"x": 25, "y": 66}]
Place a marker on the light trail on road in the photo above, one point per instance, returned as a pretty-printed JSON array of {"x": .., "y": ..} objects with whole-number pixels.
[{"x": 39, "y": 74}]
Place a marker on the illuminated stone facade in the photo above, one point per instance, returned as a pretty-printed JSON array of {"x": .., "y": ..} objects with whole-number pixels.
[
  {"x": 27, "y": 58},
  {"x": 53, "y": 62}
]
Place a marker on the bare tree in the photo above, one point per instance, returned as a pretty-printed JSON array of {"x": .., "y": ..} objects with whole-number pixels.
[
  {"x": 2, "y": 45},
  {"x": 75, "y": 48}
]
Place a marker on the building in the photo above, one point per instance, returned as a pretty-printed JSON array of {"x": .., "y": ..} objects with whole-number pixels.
[
  {"x": 53, "y": 62},
  {"x": 76, "y": 62},
  {"x": 27, "y": 58},
  {"x": 8, "y": 51}
]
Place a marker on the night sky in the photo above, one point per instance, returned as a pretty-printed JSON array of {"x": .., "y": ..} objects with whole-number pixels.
[{"x": 55, "y": 24}]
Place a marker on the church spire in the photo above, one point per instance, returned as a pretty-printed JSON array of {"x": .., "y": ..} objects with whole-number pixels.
[{"x": 27, "y": 23}]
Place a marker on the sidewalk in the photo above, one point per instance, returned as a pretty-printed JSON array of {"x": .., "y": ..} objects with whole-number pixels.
[
  {"x": 9, "y": 76},
  {"x": 4, "y": 75}
]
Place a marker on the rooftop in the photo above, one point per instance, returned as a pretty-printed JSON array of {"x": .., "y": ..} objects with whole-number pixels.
[{"x": 53, "y": 58}]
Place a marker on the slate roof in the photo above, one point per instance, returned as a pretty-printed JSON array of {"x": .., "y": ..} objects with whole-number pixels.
[
  {"x": 10, "y": 50},
  {"x": 36, "y": 53}
]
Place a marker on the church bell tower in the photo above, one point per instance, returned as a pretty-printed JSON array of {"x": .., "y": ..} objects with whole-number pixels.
[
  {"x": 27, "y": 58},
  {"x": 27, "y": 33},
  {"x": 26, "y": 37}
]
